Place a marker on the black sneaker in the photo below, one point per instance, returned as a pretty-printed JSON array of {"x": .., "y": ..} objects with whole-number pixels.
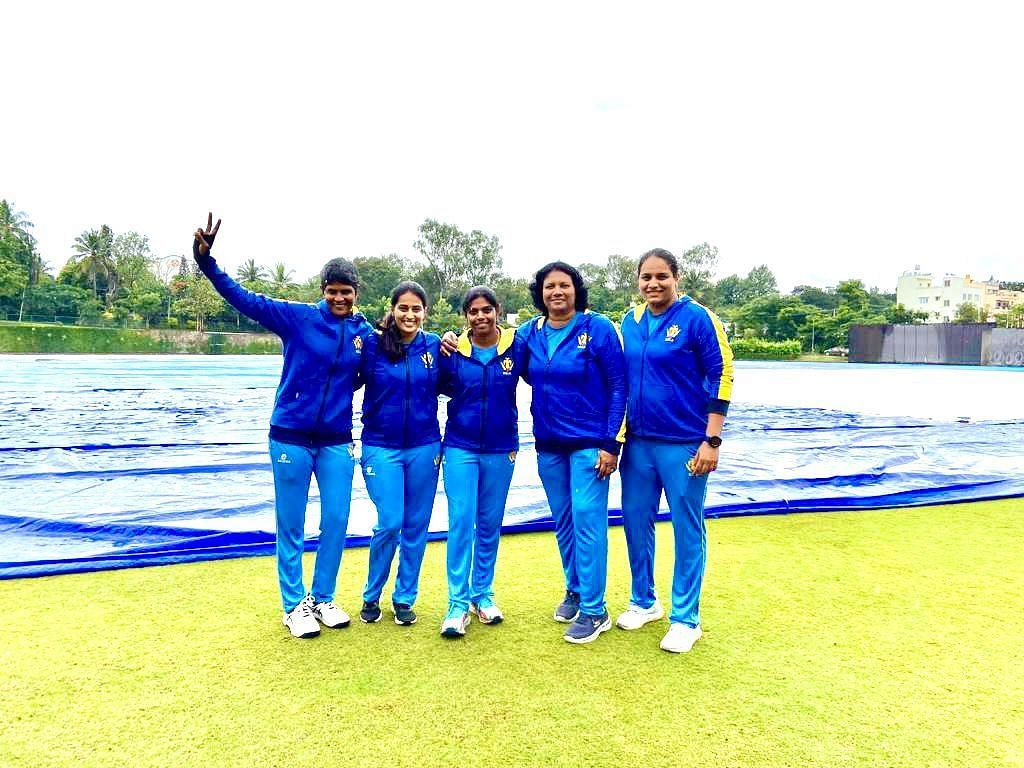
[
  {"x": 586, "y": 628},
  {"x": 371, "y": 613},
  {"x": 569, "y": 608},
  {"x": 404, "y": 614}
]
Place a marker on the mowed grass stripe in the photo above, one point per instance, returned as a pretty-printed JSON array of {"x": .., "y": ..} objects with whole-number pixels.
[{"x": 869, "y": 638}]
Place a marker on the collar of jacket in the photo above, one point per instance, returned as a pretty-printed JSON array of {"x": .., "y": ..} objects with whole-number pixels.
[
  {"x": 505, "y": 338},
  {"x": 575, "y": 318},
  {"x": 638, "y": 310},
  {"x": 328, "y": 315}
]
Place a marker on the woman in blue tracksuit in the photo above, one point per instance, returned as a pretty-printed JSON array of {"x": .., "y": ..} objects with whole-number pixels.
[
  {"x": 401, "y": 448},
  {"x": 576, "y": 368},
  {"x": 311, "y": 425},
  {"x": 680, "y": 373},
  {"x": 481, "y": 439}
]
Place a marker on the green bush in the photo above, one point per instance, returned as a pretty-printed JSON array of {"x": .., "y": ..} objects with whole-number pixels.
[
  {"x": 40, "y": 338},
  {"x": 760, "y": 349}
]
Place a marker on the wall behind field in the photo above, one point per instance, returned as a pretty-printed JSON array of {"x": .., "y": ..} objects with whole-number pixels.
[
  {"x": 942, "y": 343},
  {"x": 40, "y": 338}
]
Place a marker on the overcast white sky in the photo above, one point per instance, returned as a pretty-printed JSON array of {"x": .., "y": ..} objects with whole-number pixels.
[{"x": 828, "y": 140}]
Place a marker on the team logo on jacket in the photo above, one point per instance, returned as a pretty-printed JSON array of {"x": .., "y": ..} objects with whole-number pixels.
[
  {"x": 357, "y": 342},
  {"x": 581, "y": 340},
  {"x": 671, "y": 333},
  {"x": 507, "y": 365},
  {"x": 428, "y": 360}
]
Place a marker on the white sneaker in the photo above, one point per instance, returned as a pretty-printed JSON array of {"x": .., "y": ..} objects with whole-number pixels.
[
  {"x": 330, "y": 615},
  {"x": 487, "y": 612},
  {"x": 635, "y": 617},
  {"x": 300, "y": 621},
  {"x": 455, "y": 624},
  {"x": 680, "y": 638}
]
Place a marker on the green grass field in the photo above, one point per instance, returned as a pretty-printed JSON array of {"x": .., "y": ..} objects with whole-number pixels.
[{"x": 871, "y": 638}]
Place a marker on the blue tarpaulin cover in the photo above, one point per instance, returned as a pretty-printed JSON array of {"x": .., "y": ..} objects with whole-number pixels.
[{"x": 121, "y": 461}]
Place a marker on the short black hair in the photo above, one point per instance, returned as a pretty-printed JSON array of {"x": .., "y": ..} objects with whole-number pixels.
[
  {"x": 339, "y": 271},
  {"x": 537, "y": 286},
  {"x": 479, "y": 292},
  {"x": 659, "y": 253}
]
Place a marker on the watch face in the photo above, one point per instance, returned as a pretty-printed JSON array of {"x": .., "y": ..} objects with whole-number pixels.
[{"x": 714, "y": 442}]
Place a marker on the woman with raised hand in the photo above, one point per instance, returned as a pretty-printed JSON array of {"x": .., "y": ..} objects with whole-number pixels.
[
  {"x": 310, "y": 427},
  {"x": 481, "y": 439},
  {"x": 576, "y": 368},
  {"x": 401, "y": 448},
  {"x": 681, "y": 373}
]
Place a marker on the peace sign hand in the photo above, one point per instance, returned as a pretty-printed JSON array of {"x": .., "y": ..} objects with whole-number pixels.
[{"x": 204, "y": 239}]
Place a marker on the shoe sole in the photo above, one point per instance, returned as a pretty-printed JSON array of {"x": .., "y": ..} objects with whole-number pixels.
[
  {"x": 405, "y": 623},
  {"x": 342, "y": 625},
  {"x": 589, "y": 638},
  {"x": 563, "y": 620},
  {"x": 647, "y": 620},
  {"x": 372, "y": 621}
]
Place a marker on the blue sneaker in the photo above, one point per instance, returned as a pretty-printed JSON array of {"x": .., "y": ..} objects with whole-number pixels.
[
  {"x": 404, "y": 614},
  {"x": 586, "y": 628},
  {"x": 569, "y": 608}
]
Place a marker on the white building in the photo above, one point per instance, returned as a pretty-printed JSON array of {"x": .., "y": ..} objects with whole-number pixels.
[{"x": 921, "y": 292}]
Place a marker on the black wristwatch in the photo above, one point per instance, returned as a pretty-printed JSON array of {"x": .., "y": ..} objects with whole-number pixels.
[{"x": 713, "y": 440}]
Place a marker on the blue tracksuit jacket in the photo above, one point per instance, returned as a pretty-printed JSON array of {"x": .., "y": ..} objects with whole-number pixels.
[
  {"x": 579, "y": 396},
  {"x": 482, "y": 413},
  {"x": 678, "y": 374},
  {"x": 400, "y": 400},
  {"x": 313, "y": 406}
]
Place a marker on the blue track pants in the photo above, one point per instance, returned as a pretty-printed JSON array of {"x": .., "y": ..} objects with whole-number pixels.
[
  {"x": 293, "y": 467},
  {"x": 579, "y": 505},
  {"x": 648, "y": 467},
  {"x": 402, "y": 483},
  {"x": 476, "y": 485}
]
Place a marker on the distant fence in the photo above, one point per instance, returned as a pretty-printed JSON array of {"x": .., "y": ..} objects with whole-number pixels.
[{"x": 939, "y": 343}]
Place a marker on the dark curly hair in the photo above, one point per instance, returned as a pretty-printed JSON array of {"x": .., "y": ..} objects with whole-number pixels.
[
  {"x": 537, "y": 286},
  {"x": 339, "y": 271}
]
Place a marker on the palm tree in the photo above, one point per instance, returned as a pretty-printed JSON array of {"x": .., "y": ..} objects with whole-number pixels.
[
  {"x": 250, "y": 272},
  {"x": 281, "y": 278},
  {"x": 14, "y": 227},
  {"x": 94, "y": 255}
]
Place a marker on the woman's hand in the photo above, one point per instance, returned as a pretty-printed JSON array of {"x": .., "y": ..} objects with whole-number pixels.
[
  {"x": 449, "y": 343},
  {"x": 606, "y": 464},
  {"x": 204, "y": 239},
  {"x": 705, "y": 461}
]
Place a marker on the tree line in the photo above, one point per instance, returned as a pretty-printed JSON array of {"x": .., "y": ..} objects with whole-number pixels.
[{"x": 115, "y": 278}]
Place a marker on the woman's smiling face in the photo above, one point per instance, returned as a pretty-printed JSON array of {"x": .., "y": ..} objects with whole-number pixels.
[{"x": 558, "y": 293}]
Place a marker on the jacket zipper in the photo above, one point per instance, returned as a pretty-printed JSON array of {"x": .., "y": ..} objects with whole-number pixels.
[
  {"x": 330, "y": 374},
  {"x": 483, "y": 407},
  {"x": 405, "y": 424}
]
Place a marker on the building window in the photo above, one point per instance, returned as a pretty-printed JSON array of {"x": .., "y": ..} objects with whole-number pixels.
[
  {"x": 945, "y": 303},
  {"x": 923, "y": 300},
  {"x": 945, "y": 283}
]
